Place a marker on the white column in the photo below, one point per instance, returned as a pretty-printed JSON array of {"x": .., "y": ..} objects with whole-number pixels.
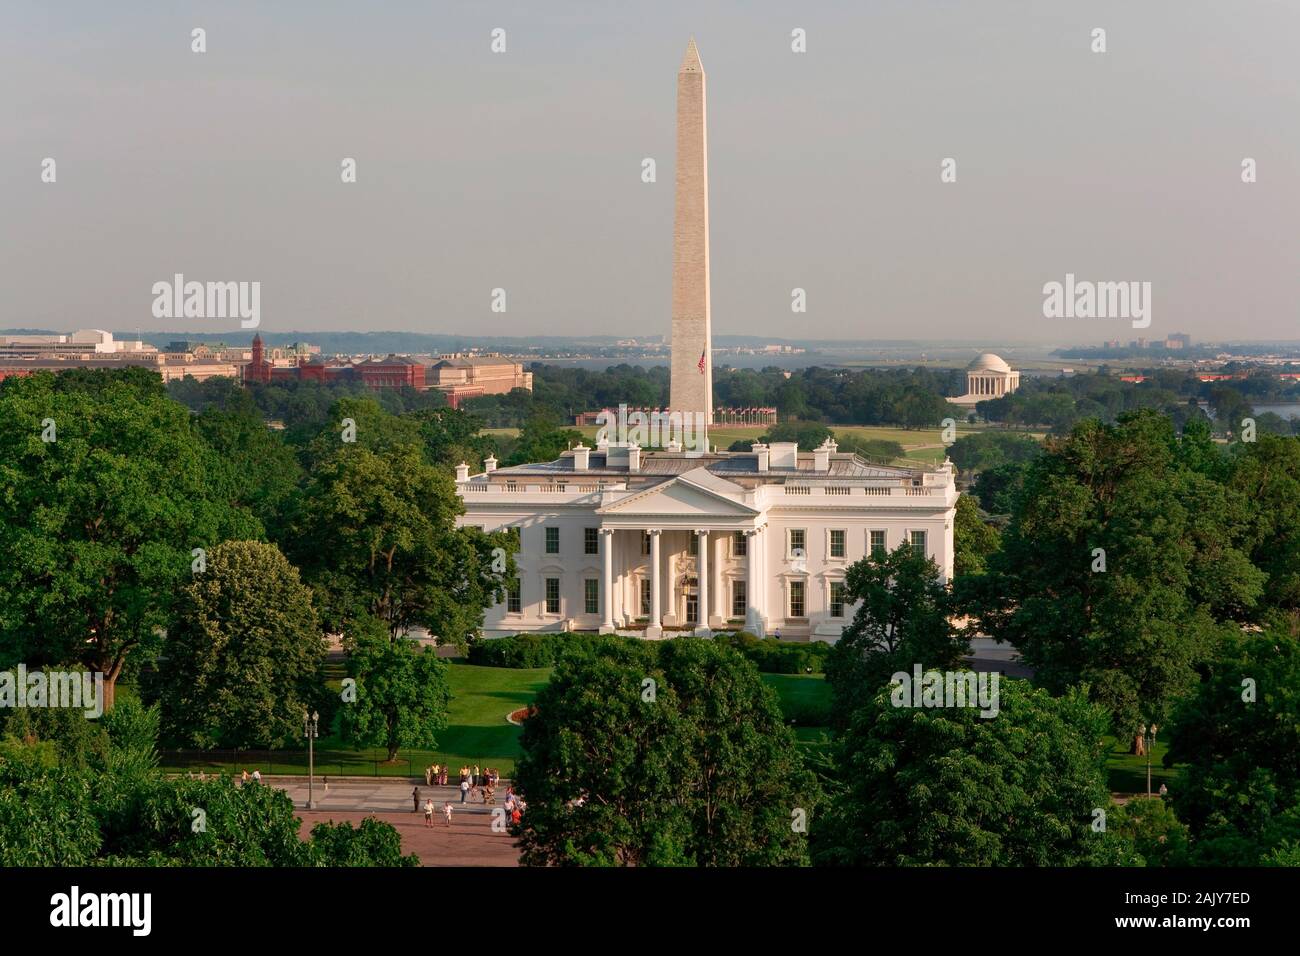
[
  {"x": 717, "y": 592},
  {"x": 607, "y": 580},
  {"x": 655, "y": 628},
  {"x": 702, "y": 583},
  {"x": 753, "y": 618}
]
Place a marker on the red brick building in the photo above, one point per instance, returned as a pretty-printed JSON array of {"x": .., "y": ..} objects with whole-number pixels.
[{"x": 395, "y": 371}]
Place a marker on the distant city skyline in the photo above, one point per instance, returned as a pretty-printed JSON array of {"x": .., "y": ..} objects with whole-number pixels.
[{"x": 522, "y": 170}]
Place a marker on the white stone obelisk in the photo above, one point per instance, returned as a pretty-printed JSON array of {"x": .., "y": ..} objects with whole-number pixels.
[{"x": 692, "y": 339}]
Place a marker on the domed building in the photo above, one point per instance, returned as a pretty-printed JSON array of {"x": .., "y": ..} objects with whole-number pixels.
[{"x": 987, "y": 377}]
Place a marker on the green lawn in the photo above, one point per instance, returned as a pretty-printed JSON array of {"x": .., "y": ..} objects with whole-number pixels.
[
  {"x": 1128, "y": 774},
  {"x": 800, "y": 690},
  {"x": 477, "y": 733}
]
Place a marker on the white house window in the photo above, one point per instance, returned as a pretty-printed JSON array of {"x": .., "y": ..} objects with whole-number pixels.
[
  {"x": 739, "y": 545},
  {"x": 837, "y": 599},
  {"x": 552, "y": 540},
  {"x": 837, "y": 543},
  {"x": 591, "y": 596},
  {"x": 552, "y": 595},
  {"x": 796, "y": 599},
  {"x": 514, "y": 601},
  {"x": 645, "y": 544},
  {"x": 918, "y": 543},
  {"x": 693, "y": 544},
  {"x": 878, "y": 549},
  {"x": 590, "y": 541},
  {"x": 739, "y": 604},
  {"x": 798, "y": 542},
  {"x": 645, "y": 597}
]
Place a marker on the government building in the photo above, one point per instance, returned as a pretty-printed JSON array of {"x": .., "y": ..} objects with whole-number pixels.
[
  {"x": 618, "y": 538},
  {"x": 987, "y": 377}
]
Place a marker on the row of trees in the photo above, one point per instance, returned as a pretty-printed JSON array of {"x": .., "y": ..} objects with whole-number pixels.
[{"x": 204, "y": 556}]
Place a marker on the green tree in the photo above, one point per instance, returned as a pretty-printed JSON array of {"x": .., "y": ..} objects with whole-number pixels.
[
  {"x": 105, "y": 489},
  {"x": 401, "y": 692},
  {"x": 903, "y": 620},
  {"x": 1157, "y": 835},
  {"x": 371, "y": 843},
  {"x": 1236, "y": 738},
  {"x": 1267, "y": 474},
  {"x": 1117, "y": 568},
  {"x": 947, "y": 787},
  {"x": 261, "y": 469},
  {"x": 980, "y": 451},
  {"x": 46, "y": 816},
  {"x": 542, "y": 439},
  {"x": 660, "y": 755},
  {"x": 378, "y": 538},
  {"x": 243, "y": 659},
  {"x": 973, "y": 538}
]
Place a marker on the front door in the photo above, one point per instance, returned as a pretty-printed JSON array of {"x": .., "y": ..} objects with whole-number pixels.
[{"x": 691, "y": 593}]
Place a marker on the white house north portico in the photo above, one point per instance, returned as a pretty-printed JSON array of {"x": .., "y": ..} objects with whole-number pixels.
[{"x": 614, "y": 539}]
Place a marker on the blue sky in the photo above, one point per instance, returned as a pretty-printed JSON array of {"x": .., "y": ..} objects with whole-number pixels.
[{"x": 522, "y": 170}]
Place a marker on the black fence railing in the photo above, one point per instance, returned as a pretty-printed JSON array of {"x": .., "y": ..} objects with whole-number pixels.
[{"x": 328, "y": 763}]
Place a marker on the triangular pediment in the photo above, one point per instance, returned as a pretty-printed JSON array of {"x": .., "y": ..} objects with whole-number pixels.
[{"x": 681, "y": 497}]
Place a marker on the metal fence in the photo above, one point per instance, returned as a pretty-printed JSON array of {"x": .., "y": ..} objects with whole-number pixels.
[{"x": 328, "y": 763}]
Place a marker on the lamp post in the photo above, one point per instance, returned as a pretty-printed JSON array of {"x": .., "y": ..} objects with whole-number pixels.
[
  {"x": 311, "y": 730},
  {"x": 1151, "y": 743}
]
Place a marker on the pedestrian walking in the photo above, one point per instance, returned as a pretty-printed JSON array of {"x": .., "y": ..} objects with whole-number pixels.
[
  {"x": 428, "y": 812},
  {"x": 415, "y": 799},
  {"x": 464, "y": 790},
  {"x": 446, "y": 812}
]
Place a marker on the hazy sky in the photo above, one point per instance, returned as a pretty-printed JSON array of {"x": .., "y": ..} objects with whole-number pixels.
[{"x": 522, "y": 170}]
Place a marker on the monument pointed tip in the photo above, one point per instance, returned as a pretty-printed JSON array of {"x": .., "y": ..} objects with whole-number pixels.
[{"x": 691, "y": 61}]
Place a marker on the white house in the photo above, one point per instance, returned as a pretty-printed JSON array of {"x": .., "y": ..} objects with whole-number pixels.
[{"x": 616, "y": 539}]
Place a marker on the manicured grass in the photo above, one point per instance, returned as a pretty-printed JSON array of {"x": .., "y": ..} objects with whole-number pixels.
[
  {"x": 477, "y": 733},
  {"x": 800, "y": 690}
]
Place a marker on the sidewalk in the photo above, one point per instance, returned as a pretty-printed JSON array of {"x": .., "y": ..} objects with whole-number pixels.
[{"x": 378, "y": 794}]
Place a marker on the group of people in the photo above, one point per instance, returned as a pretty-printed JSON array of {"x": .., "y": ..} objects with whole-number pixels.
[{"x": 473, "y": 780}]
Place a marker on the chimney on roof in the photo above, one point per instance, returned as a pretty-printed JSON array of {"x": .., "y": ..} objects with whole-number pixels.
[
  {"x": 822, "y": 456},
  {"x": 462, "y": 473},
  {"x": 761, "y": 455},
  {"x": 490, "y": 463},
  {"x": 581, "y": 457},
  {"x": 633, "y": 457}
]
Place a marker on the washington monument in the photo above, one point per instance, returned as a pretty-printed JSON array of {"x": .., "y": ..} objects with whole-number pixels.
[{"x": 692, "y": 339}]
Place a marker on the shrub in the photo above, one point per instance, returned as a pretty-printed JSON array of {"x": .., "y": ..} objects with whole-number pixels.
[{"x": 778, "y": 657}]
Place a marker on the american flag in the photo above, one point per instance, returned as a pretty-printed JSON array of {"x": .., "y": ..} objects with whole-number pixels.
[{"x": 701, "y": 365}]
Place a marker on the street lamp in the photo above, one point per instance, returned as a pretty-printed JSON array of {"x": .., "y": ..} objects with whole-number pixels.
[
  {"x": 311, "y": 730},
  {"x": 1150, "y": 730}
]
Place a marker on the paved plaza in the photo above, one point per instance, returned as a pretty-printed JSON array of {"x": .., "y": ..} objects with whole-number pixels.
[{"x": 469, "y": 841}]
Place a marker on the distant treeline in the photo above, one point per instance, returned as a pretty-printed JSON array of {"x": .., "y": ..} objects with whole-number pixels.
[{"x": 906, "y": 398}]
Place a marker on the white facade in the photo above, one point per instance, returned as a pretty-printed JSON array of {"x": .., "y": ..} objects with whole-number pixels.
[
  {"x": 988, "y": 376},
  {"x": 615, "y": 540}
]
